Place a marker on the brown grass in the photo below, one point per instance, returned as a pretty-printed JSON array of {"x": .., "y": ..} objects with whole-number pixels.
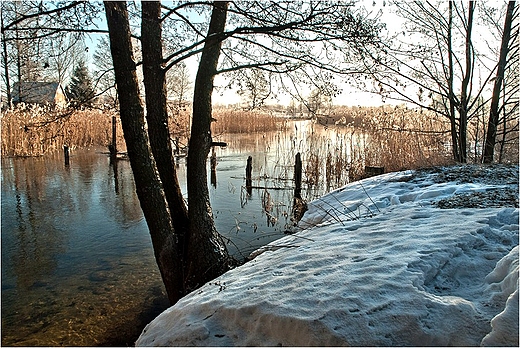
[
  {"x": 401, "y": 138},
  {"x": 395, "y": 138},
  {"x": 36, "y": 130},
  {"x": 240, "y": 121}
]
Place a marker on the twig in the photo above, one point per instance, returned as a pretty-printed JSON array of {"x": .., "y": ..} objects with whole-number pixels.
[{"x": 369, "y": 197}]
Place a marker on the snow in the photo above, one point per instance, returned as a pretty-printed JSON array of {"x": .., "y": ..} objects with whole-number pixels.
[
  {"x": 505, "y": 280},
  {"x": 375, "y": 263}
]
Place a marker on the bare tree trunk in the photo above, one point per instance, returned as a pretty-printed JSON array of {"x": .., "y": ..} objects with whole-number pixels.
[
  {"x": 207, "y": 253},
  {"x": 489, "y": 146},
  {"x": 157, "y": 114},
  {"x": 148, "y": 186},
  {"x": 6, "y": 65},
  {"x": 464, "y": 98},
  {"x": 451, "y": 94}
]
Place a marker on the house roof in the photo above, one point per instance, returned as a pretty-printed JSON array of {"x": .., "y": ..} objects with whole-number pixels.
[{"x": 35, "y": 92}]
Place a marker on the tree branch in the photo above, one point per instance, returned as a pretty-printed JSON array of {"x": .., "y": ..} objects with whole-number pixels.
[{"x": 24, "y": 17}]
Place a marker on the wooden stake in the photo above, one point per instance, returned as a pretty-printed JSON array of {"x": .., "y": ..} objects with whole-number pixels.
[
  {"x": 66, "y": 153},
  {"x": 249, "y": 180},
  {"x": 298, "y": 176}
]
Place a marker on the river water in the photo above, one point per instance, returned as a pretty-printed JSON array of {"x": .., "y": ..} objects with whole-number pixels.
[{"x": 77, "y": 260}]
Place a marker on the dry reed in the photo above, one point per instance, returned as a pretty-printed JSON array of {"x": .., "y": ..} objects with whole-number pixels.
[
  {"x": 32, "y": 130},
  {"x": 399, "y": 138},
  {"x": 395, "y": 138},
  {"x": 339, "y": 147},
  {"x": 240, "y": 121}
]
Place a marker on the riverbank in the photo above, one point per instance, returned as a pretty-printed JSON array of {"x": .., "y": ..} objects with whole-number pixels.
[{"x": 408, "y": 258}]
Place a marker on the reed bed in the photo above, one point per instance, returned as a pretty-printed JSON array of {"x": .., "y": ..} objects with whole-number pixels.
[
  {"x": 241, "y": 121},
  {"x": 399, "y": 138},
  {"x": 337, "y": 149},
  {"x": 32, "y": 130}
]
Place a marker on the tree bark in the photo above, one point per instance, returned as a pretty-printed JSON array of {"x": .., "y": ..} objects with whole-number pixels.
[
  {"x": 207, "y": 253},
  {"x": 451, "y": 94},
  {"x": 157, "y": 114},
  {"x": 148, "y": 186},
  {"x": 6, "y": 65},
  {"x": 489, "y": 146},
  {"x": 464, "y": 99}
]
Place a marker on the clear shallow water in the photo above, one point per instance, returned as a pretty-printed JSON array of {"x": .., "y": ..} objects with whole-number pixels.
[
  {"x": 77, "y": 260},
  {"x": 77, "y": 263}
]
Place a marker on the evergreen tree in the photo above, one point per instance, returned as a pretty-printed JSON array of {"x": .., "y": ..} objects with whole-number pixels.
[{"x": 80, "y": 90}]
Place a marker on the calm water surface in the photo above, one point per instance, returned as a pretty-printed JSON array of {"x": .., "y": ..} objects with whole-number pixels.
[{"x": 77, "y": 260}]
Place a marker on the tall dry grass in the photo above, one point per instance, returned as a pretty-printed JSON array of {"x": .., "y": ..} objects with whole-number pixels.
[
  {"x": 240, "y": 121},
  {"x": 396, "y": 138},
  {"x": 400, "y": 138},
  {"x": 336, "y": 149},
  {"x": 225, "y": 121},
  {"x": 32, "y": 130}
]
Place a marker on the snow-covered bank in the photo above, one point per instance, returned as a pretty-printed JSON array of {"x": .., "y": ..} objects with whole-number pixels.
[{"x": 377, "y": 263}]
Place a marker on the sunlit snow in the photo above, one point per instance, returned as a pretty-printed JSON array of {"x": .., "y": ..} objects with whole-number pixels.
[{"x": 375, "y": 263}]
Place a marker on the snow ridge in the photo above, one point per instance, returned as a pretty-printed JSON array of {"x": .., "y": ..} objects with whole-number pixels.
[{"x": 375, "y": 263}]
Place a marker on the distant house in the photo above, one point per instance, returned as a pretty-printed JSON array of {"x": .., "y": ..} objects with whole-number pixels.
[{"x": 39, "y": 93}]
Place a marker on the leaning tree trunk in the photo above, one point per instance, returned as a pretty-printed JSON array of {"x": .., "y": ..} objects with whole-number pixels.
[
  {"x": 157, "y": 114},
  {"x": 206, "y": 253},
  {"x": 148, "y": 185},
  {"x": 489, "y": 146}
]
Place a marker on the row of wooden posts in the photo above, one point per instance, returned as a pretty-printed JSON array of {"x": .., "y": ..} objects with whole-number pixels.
[
  {"x": 369, "y": 171},
  {"x": 297, "y": 176},
  {"x": 299, "y": 205},
  {"x": 112, "y": 147}
]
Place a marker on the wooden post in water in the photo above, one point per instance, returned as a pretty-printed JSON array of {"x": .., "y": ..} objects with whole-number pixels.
[
  {"x": 213, "y": 168},
  {"x": 114, "y": 133},
  {"x": 298, "y": 176},
  {"x": 299, "y": 205},
  {"x": 177, "y": 150},
  {"x": 66, "y": 154},
  {"x": 249, "y": 180},
  {"x": 213, "y": 160},
  {"x": 113, "y": 147},
  {"x": 116, "y": 175}
]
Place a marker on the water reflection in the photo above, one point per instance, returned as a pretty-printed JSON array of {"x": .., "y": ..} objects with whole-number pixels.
[
  {"x": 35, "y": 241},
  {"x": 77, "y": 260}
]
